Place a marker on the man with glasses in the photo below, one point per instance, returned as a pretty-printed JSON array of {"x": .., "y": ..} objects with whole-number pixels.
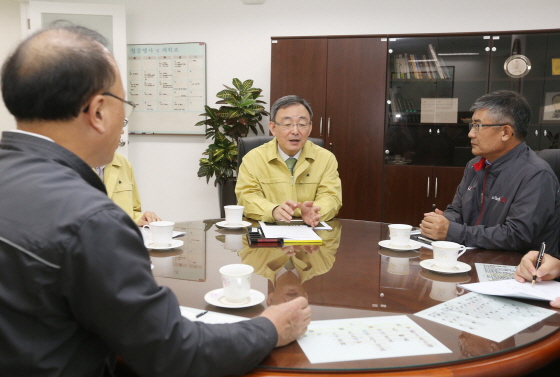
[
  {"x": 76, "y": 286},
  {"x": 119, "y": 180},
  {"x": 509, "y": 197},
  {"x": 289, "y": 176}
]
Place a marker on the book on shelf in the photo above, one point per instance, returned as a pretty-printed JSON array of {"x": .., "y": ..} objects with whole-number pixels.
[
  {"x": 426, "y": 67},
  {"x": 441, "y": 69}
]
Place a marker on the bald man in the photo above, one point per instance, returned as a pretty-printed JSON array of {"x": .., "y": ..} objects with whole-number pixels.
[{"x": 75, "y": 279}]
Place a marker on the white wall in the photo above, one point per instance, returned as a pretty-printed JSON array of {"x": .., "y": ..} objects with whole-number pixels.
[{"x": 238, "y": 45}]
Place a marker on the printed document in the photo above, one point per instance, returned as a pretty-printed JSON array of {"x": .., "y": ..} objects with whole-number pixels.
[
  {"x": 494, "y": 272},
  {"x": 490, "y": 317},
  {"x": 367, "y": 338},
  {"x": 542, "y": 290},
  {"x": 291, "y": 234}
]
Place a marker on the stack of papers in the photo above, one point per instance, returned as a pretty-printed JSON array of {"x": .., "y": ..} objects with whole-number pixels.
[
  {"x": 542, "y": 290},
  {"x": 291, "y": 234}
]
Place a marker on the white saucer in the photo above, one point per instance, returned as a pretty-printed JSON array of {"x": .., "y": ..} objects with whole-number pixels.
[
  {"x": 173, "y": 245},
  {"x": 413, "y": 245},
  {"x": 428, "y": 264},
  {"x": 243, "y": 224},
  {"x": 217, "y": 298}
]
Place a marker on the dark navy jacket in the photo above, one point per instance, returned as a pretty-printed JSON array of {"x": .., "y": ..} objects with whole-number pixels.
[
  {"x": 512, "y": 204},
  {"x": 76, "y": 284}
]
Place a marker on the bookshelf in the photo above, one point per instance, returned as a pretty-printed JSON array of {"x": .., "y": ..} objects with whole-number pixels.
[
  {"x": 425, "y": 160},
  {"x": 355, "y": 85}
]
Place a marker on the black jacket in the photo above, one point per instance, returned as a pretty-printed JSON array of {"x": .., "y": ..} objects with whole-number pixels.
[
  {"x": 512, "y": 204},
  {"x": 76, "y": 284}
]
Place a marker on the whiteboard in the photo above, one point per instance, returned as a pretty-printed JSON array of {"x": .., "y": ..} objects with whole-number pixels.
[{"x": 168, "y": 84}]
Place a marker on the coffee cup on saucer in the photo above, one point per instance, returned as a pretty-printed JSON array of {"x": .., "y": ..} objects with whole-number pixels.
[
  {"x": 400, "y": 234},
  {"x": 236, "y": 280},
  {"x": 234, "y": 214},
  {"x": 446, "y": 253},
  {"x": 162, "y": 233}
]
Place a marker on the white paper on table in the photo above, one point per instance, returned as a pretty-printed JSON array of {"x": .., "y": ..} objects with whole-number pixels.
[
  {"x": 209, "y": 317},
  {"x": 322, "y": 225},
  {"x": 490, "y": 317},
  {"x": 298, "y": 233},
  {"x": 367, "y": 338},
  {"x": 542, "y": 290},
  {"x": 494, "y": 272}
]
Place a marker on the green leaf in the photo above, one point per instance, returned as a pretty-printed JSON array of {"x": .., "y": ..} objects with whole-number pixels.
[
  {"x": 237, "y": 83},
  {"x": 247, "y": 84}
]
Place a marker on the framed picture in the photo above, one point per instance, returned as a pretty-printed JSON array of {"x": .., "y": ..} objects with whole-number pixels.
[{"x": 551, "y": 110}]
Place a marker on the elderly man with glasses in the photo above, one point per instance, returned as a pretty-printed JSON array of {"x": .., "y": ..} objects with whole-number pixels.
[
  {"x": 509, "y": 197},
  {"x": 289, "y": 176}
]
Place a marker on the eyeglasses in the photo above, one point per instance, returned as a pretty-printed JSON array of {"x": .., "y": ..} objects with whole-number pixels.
[
  {"x": 476, "y": 126},
  {"x": 288, "y": 126},
  {"x": 128, "y": 107}
]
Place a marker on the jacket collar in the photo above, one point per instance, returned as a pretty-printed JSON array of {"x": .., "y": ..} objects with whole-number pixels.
[
  {"x": 52, "y": 151},
  {"x": 503, "y": 161},
  {"x": 307, "y": 151}
]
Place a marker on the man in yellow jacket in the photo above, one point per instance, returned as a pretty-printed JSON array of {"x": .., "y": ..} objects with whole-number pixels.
[
  {"x": 119, "y": 181},
  {"x": 272, "y": 186}
]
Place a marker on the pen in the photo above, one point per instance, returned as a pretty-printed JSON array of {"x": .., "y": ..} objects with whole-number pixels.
[
  {"x": 539, "y": 260},
  {"x": 201, "y": 314}
]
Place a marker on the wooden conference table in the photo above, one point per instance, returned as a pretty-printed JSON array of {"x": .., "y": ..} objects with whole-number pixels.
[{"x": 351, "y": 276}]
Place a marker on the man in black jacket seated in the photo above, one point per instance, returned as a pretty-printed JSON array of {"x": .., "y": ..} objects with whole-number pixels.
[
  {"x": 75, "y": 279},
  {"x": 509, "y": 197}
]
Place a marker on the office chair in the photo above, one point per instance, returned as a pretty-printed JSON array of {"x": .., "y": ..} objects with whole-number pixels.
[
  {"x": 245, "y": 144},
  {"x": 552, "y": 156}
]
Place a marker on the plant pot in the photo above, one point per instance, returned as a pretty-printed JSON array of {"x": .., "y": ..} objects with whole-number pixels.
[{"x": 226, "y": 192}]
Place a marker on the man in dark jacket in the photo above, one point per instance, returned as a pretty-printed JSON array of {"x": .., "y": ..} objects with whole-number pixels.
[
  {"x": 75, "y": 278},
  {"x": 509, "y": 197}
]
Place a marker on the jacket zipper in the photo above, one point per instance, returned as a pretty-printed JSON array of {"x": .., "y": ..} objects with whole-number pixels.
[{"x": 482, "y": 196}]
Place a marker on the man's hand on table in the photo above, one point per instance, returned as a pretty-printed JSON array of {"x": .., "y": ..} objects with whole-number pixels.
[
  {"x": 435, "y": 225},
  {"x": 285, "y": 210},
  {"x": 290, "y": 319},
  {"x": 549, "y": 270},
  {"x": 147, "y": 218},
  {"x": 310, "y": 214}
]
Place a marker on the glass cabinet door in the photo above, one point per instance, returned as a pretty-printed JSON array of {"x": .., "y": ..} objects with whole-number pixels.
[
  {"x": 549, "y": 114},
  {"x": 432, "y": 84}
]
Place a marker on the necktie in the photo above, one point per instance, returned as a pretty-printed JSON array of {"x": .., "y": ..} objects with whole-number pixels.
[
  {"x": 289, "y": 265},
  {"x": 291, "y": 162}
]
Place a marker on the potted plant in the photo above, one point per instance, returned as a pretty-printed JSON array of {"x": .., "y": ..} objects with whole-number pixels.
[{"x": 241, "y": 112}]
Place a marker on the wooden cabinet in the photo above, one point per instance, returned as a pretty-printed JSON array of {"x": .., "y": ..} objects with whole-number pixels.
[
  {"x": 383, "y": 121},
  {"x": 410, "y": 191},
  {"x": 341, "y": 79}
]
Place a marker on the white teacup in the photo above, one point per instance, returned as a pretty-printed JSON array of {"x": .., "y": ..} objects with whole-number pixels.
[
  {"x": 236, "y": 279},
  {"x": 400, "y": 234},
  {"x": 162, "y": 232},
  {"x": 446, "y": 253},
  {"x": 234, "y": 214}
]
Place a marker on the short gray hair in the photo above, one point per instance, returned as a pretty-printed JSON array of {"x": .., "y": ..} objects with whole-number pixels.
[
  {"x": 506, "y": 106},
  {"x": 286, "y": 101}
]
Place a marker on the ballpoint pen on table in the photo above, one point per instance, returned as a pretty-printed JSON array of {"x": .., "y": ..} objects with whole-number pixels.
[
  {"x": 201, "y": 314},
  {"x": 539, "y": 260}
]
